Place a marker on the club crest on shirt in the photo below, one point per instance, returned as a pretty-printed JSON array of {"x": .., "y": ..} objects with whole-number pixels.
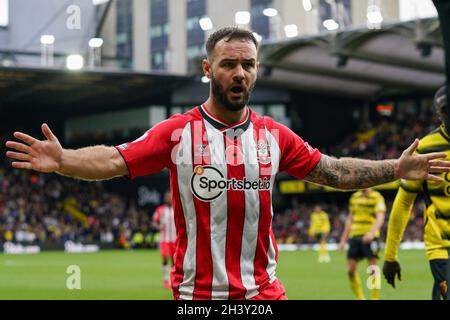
[
  {"x": 263, "y": 152},
  {"x": 123, "y": 146}
]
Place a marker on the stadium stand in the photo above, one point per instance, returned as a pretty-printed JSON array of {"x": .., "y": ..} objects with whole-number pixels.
[
  {"x": 39, "y": 208},
  {"x": 385, "y": 137},
  {"x": 49, "y": 209}
]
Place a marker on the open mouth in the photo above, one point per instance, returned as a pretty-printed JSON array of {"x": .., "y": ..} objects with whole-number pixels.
[{"x": 237, "y": 89}]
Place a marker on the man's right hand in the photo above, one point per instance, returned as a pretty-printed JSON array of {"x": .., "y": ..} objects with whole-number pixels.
[
  {"x": 38, "y": 155},
  {"x": 390, "y": 270}
]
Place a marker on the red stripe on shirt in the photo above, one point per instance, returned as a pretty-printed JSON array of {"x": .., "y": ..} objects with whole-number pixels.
[
  {"x": 204, "y": 268},
  {"x": 235, "y": 222},
  {"x": 177, "y": 273},
  {"x": 265, "y": 215}
]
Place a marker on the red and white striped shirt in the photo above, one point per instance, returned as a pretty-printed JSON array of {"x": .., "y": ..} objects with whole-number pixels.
[
  {"x": 165, "y": 218},
  {"x": 221, "y": 184}
]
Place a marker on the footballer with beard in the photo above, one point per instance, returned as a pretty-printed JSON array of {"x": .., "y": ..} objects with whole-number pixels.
[{"x": 223, "y": 158}]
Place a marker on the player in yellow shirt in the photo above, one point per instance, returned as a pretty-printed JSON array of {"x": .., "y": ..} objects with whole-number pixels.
[
  {"x": 436, "y": 215},
  {"x": 362, "y": 229},
  {"x": 319, "y": 229}
]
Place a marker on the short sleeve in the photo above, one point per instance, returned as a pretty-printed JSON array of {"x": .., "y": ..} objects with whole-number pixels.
[
  {"x": 298, "y": 158},
  {"x": 152, "y": 151}
]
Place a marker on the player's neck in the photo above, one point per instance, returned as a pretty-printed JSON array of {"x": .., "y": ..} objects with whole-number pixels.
[{"x": 223, "y": 114}]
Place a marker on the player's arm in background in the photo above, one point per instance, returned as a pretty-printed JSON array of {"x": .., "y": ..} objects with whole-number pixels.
[
  {"x": 311, "y": 229},
  {"x": 379, "y": 220},
  {"x": 156, "y": 220},
  {"x": 90, "y": 163},
  {"x": 401, "y": 210},
  {"x": 327, "y": 225},
  {"x": 346, "y": 232}
]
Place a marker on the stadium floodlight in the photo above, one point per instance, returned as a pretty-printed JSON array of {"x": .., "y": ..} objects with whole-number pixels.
[
  {"x": 374, "y": 17},
  {"x": 257, "y": 36},
  {"x": 205, "y": 23},
  {"x": 99, "y": 2},
  {"x": 95, "y": 42},
  {"x": 74, "y": 62},
  {"x": 47, "y": 39},
  {"x": 4, "y": 13},
  {"x": 205, "y": 79},
  {"x": 307, "y": 5},
  {"x": 331, "y": 25},
  {"x": 95, "y": 55},
  {"x": 242, "y": 17},
  {"x": 6, "y": 63},
  {"x": 270, "y": 12},
  {"x": 291, "y": 30}
]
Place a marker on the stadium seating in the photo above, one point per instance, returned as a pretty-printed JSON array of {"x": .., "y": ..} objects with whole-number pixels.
[{"x": 39, "y": 208}]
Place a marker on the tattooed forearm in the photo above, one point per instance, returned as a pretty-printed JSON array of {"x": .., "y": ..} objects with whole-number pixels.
[{"x": 350, "y": 173}]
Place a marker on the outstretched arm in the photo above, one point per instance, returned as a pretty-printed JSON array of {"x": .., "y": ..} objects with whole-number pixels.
[
  {"x": 91, "y": 163},
  {"x": 351, "y": 173}
]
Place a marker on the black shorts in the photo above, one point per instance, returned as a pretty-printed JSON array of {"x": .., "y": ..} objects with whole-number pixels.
[
  {"x": 440, "y": 268},
  {"x": 320, "y": 236},
  {"x": 358, "y": 250}
]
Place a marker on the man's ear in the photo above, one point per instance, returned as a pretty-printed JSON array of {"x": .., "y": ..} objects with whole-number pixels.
[
  {"x": 258, "y": 64},
  {"x": 206, "y": 66}
]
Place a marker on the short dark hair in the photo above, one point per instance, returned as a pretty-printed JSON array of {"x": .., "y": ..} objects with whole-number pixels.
[{"x": 228, "y": 33}]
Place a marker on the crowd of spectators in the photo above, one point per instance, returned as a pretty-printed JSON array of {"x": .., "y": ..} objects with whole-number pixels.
[
  {"x": 33, "y": 209},
  {"x": 385, "y": 139},
  {"x": 388, "y": 136},
  {"x": 291, "y": 226},
  {"x": 33, "y": 206}
]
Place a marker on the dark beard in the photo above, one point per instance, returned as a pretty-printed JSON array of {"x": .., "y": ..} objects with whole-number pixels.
[{"x": 220, "y": 96}]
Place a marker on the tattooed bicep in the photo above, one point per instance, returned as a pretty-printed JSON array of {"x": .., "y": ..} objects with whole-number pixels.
[{"x": 326, "y": 172}]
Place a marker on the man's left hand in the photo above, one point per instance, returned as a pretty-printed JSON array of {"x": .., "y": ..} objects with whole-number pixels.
[{"x": 412, "y": 166}]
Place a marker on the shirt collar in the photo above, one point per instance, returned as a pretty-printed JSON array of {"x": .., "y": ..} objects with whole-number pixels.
[{"x": 223, "y": 126}]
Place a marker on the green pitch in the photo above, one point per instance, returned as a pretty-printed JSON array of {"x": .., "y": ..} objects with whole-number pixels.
[{"x": 137, "y": 275}]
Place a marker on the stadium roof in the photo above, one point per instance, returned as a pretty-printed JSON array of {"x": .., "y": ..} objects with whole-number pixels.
[
  {"x": 59, "y": 90},
  {"x": 399, "y": 59},
  {"x": 403, "y": 58}
]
